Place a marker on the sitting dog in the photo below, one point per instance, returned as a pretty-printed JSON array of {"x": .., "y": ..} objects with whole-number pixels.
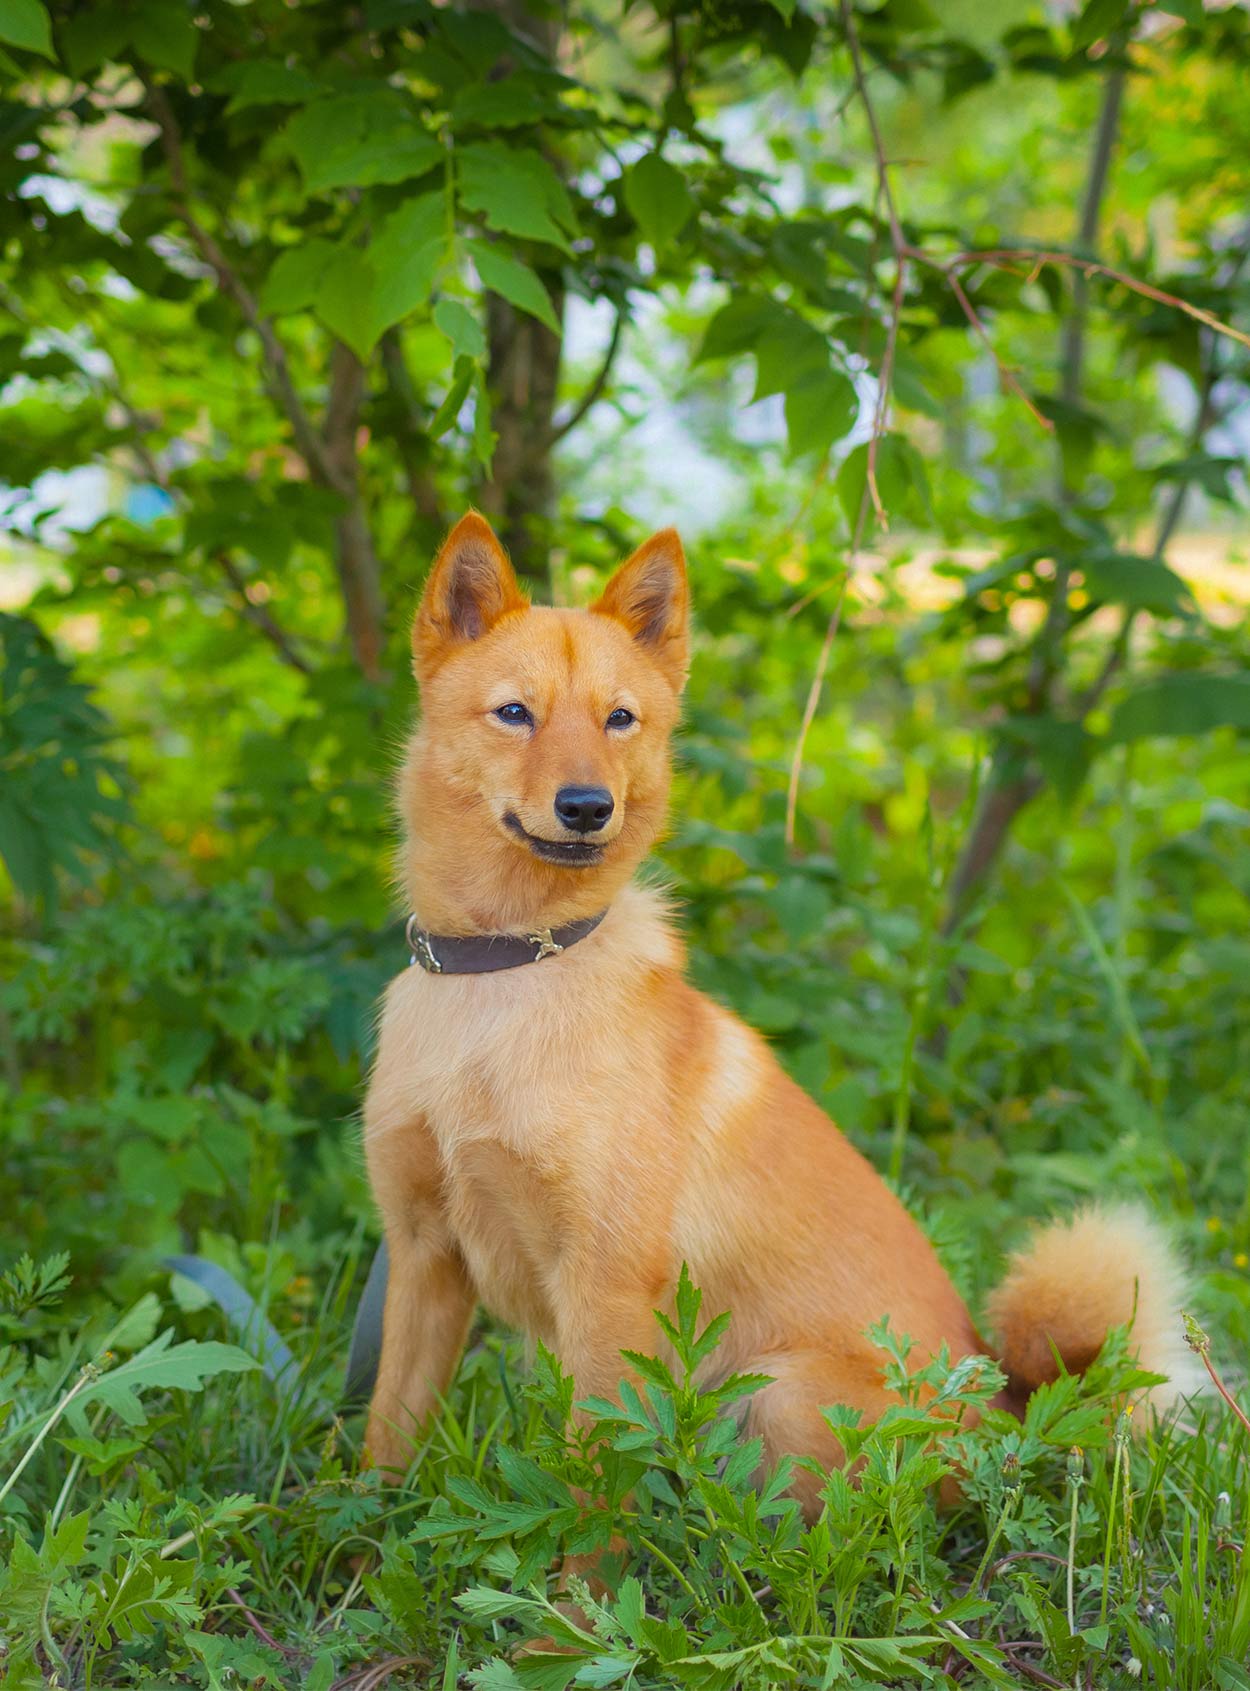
[{"x": 557, "y": 1120}]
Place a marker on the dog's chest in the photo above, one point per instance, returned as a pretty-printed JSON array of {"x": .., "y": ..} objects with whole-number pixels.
[
  {"x": 520, "y": 1082},
  {"x": 507, "y": 1216}
]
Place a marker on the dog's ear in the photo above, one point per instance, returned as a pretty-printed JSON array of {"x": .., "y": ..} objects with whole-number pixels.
[
  {"x": 470, "y": 587},
  {"x": 649, "y": 594}
]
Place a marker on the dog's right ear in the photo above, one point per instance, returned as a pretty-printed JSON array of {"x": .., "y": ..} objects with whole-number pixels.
[{"x": 470, "y": 587}]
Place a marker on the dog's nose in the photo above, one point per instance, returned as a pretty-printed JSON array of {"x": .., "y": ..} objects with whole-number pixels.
[{"x": 584, "y": 808}]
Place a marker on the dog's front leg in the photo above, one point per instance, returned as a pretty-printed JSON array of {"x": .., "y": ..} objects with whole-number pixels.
[
  {"x": 595, "y": 1329},
  {"x": 429, "y": 1304},
  {"x": 429, "y": 1296}
]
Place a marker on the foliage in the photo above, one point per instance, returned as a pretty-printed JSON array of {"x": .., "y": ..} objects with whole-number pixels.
[
  {"x": 287, "y": 286},
  {"x": 1063, "y": 1525},
  {"x": 60, "y": 787}
]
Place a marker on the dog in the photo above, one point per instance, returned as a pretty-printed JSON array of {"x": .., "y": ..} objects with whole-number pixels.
[{"x": 557, "y": 1120}]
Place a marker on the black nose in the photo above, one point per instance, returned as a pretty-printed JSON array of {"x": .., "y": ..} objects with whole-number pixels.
[{"x": 584, "y": 808}]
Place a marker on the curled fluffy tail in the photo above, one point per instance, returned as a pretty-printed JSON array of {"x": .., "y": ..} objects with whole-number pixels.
[{"x": 1074, "y": 1281}]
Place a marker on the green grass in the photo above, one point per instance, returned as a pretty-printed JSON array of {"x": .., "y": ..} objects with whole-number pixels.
[{"x": 228, "y": 1536}]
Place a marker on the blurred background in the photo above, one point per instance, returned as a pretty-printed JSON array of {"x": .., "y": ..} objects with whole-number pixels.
[{"x": 287, "y": 287}]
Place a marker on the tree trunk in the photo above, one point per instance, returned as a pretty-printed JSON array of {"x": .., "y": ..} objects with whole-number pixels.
[
  {"x": 1005, "y": 798},
  {"x": 523, "y": 370},
  {"x": 523, "y": 375},
  {"x": 360, "y": 579}
]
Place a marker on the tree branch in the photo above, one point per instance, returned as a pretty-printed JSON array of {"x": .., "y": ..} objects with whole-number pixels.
[
  {"x": 1072, "y": 368},
  {"x": 331, "y": 455},
  {"x": 1072, "y": 361},
  {"x": 871, "y": 494},
  {"x": 354, "y": 556},
  {"x": 156, "y": 473},
  {"x": 1004, "y": 800},
  {"x": 900, "y": 250},
  {"x": 1168, "y": 521},
  {"x": 1005, "y": 373},
  {"x": 258, "y": 616},
  {"x": 1010, "y": 258},
  {"x": 421, "y": 486},
  {"x": 594, "y": 392},
  {"x": 278, "y": 373}
]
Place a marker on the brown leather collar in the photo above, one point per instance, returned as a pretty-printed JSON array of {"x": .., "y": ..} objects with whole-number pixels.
[{"x": 482, "y": 954}]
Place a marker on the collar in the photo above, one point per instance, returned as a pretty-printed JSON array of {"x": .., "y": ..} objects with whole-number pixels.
[{"x": 482, "y": 954}]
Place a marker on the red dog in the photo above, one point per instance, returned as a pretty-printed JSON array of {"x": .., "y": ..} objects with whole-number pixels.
[{"x": 554, "y": 1137}]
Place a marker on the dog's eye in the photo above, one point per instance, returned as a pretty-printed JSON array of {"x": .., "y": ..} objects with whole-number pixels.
[
  {"x": 621, "y": 718},
  {"x": 515, "y": 713}
]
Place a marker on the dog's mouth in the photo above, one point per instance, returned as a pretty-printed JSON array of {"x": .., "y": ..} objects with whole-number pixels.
[{"x": 570, "y": 854}]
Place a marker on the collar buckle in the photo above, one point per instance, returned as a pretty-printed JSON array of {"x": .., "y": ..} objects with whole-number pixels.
[
  {"x": 421, "y": 949},
  {"x": 547, "y": 946}
]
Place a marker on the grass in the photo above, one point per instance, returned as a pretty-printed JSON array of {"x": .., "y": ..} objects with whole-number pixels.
[{"x": 228, "y": 1535}]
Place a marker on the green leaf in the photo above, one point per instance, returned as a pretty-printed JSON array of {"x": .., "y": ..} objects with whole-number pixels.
[
  {"x": 99, "y": 1455},
  {"x": 485, "y": 439},
  {"x": 25, "y": 24},
  {"x": 1144, "y": 583},
  {"x": 265, "y": 82},
  {"x": 500, "y": 105},
  {"x": 901, "y": 481},
  {"x": 495, "y": 1675},
  {"x": 163, "y": 1365},
  {"x": 136, "y": 1327},
  {"x": 738, "y": 326},
  {"x": 1183, "y": 704},
  {"x": 1064, "y": 749},
  {"x": 658, "y": 199},
  {"x": 166, "y": 36},
  {"x": 516, "y": 282},
  {"x": 517, "y": 192},
  {"x": 547, "y": 1670},
  {"x": 1099, "y": 19},
  {"x": 324, "y": 1671},
  {"x": 820, "y": 408},
  {"x": 910, "y": 391},
  {"x": 789, "y": 352},
  {"x": 21, "y": 850},
  {"x": 456, "y": 395},
  {"x": 357, "y": 140},
  {"x": 452, "y": 1664},
  {"x": 295, "y": 276},
  {"x": 362, "y": 292},
  {"x": 457, "y": 322},
  {"x": 1209, "y": 471},
  {"x": 66, "y": 1546},
  {"x": 484, "y": 1604},
  {"x": 92, "y": 38}
]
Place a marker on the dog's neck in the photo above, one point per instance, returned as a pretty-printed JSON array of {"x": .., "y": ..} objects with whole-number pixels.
[
  {"x": 462, "y": 878},
  {"x": 490, "y": 893}
]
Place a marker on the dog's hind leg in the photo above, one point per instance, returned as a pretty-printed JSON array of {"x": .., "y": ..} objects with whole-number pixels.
[{"x": 787, "y": 1413}]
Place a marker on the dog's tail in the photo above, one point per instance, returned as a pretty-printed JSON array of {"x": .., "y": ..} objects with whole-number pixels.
[{"x": 1077, "y": 1279}]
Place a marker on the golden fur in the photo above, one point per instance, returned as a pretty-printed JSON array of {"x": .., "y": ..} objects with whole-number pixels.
[{"x": 555, "y": 1140}]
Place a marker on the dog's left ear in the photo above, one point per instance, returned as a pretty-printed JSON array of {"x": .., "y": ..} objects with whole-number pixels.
[
  {"x": 470, "y": 587},
  {"x": 650, "y": 595}
]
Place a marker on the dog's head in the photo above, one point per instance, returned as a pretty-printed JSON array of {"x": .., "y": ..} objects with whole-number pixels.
[{"x": 545, "y": 733}]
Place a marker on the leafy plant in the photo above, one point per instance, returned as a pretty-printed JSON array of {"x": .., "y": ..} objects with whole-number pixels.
[{"x": 60, "y": 790}]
